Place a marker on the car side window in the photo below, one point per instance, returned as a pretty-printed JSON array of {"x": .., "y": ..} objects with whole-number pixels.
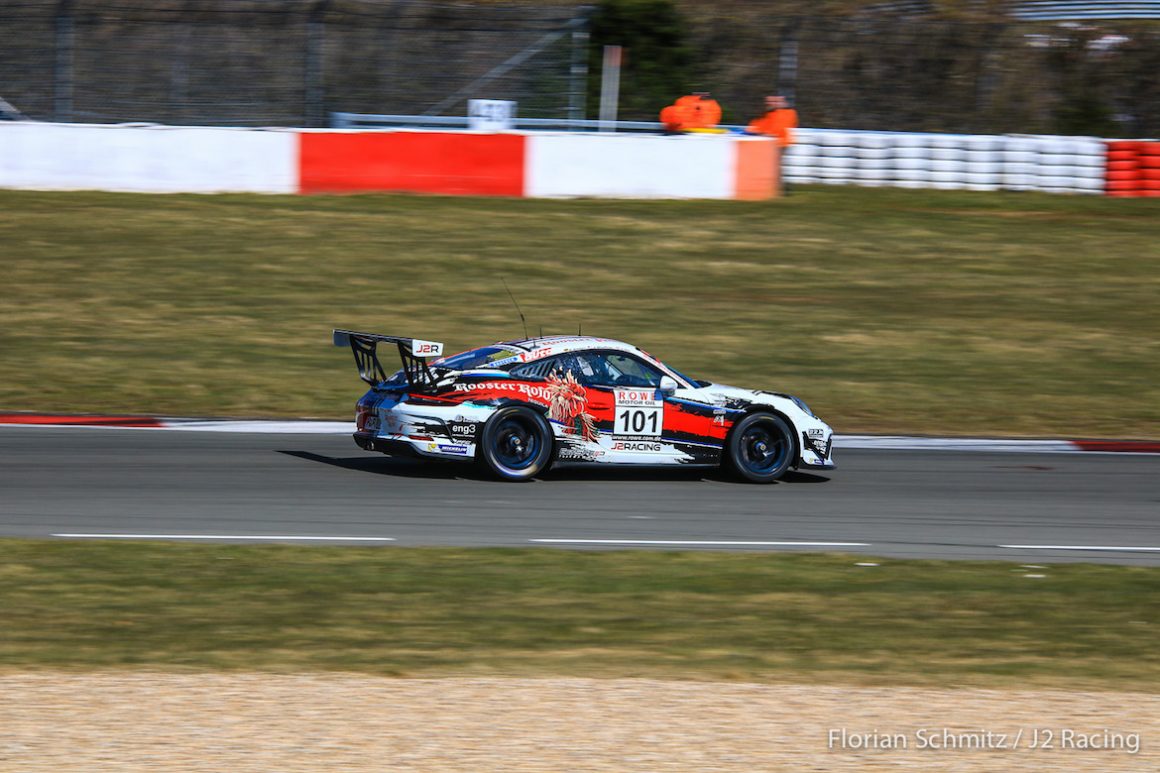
[
  {"x": 561, "y": 363},
  {"x": 634, "y": 372},
  {"x": 620, "y": 370},
  {"x": 605, "y": 369},
  {"x": 538, "y": 369}
]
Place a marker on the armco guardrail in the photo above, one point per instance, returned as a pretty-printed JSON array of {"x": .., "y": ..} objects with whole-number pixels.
[
  {"x": 948, "y": 161},
  {"x": 379, "y": 121}
]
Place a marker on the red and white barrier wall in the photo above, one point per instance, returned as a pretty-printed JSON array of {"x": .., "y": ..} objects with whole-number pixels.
[
  {"x": 538, "y": 165},
  {"x": 556, "y": 164},
  {"x": 197, "y": 160}
]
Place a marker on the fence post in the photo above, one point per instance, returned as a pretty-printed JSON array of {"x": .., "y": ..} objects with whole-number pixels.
[
  {"x": 987, "y": 77},
  {"x": 578, "y": 82},
  {"x": 62, "y": 72},
  {"x": 787, "y": 62},
  {"x": 610, "y": 88},
  {"x": 314, "y": 68}
]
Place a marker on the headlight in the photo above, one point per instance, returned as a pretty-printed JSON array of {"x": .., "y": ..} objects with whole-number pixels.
[{"x": 800, "y": 403}]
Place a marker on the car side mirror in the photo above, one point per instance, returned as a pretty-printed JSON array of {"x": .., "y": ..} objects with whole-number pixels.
[{"x": 668, "y": 386}]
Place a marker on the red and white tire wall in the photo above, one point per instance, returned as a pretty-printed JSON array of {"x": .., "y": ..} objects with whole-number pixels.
[{"x": 1133, "y": 168}]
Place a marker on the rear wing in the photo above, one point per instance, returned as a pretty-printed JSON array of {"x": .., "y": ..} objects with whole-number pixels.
[{"x": 412, "y": 351}]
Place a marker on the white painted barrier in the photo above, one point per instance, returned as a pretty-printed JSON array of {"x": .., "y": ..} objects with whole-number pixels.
[
  {"x": 947, "y": 161},
  {"x": 147, "y": 159},
  {"x": 629, "y": 166}
]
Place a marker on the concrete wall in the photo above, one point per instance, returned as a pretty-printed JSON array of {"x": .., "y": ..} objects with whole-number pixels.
[
  {"x": 650, "y": 166},
  {"x": 153, "y": 160},
  {"x": 209, "y": 160}
]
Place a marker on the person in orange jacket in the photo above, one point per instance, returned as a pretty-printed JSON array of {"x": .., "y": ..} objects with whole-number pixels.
[
  {"x": 694, "y": 111},
  {"x": 778, "y": 121}
]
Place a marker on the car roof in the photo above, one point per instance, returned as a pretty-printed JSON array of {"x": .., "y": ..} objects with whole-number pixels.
[
  {"x": 532, "y": 349},
  {"x": 546, "y": 346}
]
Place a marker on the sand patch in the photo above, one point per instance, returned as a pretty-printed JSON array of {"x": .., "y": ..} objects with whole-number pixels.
[{"x": 135, "y": 721}]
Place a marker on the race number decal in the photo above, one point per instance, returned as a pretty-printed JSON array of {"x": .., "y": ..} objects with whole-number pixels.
[{"x": 639, "y": 414}]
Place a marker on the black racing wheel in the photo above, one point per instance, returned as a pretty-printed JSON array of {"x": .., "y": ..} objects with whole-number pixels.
[
  {"x": 760, "y": 447},
  {"x": 516, "y": 444}
]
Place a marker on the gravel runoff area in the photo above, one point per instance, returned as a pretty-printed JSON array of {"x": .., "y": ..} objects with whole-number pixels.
[{"x": 142, "y": 721}]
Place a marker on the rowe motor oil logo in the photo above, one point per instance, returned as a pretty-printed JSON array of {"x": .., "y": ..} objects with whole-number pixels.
[{"x": 636, "y": 398}]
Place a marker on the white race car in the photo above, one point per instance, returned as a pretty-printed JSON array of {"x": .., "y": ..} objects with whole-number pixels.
[{"x": 521, "y": 406}]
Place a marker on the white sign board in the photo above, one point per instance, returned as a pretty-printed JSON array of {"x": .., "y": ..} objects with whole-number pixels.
[{"x": 490, "y": 115}]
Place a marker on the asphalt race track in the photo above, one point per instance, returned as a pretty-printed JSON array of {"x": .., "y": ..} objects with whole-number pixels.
[{"x": 137, "y": 484}]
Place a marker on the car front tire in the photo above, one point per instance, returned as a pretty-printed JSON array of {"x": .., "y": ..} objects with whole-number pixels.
[
  {"x": 516, "y": 444},
  {"x": 761, "y": 448}
]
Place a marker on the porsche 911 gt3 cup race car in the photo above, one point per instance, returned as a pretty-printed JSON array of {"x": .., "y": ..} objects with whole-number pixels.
[{"x": 519, "y": 407}]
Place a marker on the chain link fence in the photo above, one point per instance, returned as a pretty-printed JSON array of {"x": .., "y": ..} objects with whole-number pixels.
[
  {"x": 292, "y": 62},
  {"x": 879, "y": 71},
  {"x": 286, "y": 63}
]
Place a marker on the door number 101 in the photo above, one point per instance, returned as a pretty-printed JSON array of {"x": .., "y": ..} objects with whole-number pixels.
[{"x": 638, "y": 421}]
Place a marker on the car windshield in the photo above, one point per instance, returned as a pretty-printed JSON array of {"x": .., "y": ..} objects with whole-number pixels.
[{"x": 475, "y": 358}]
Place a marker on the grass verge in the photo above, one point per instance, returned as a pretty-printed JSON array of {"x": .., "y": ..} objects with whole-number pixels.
[
  {"x": 538, "y": 612},
  {"x": 888, "y": 310}
]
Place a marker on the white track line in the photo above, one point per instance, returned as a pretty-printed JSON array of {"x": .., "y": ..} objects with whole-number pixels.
[
  {"x": 696, "y": 542},
  {"x": 280, "y": 538},
  {"x": 1083, "y": 547},
  {"x": 904, "y": 443},
  {"x": 265, "y": 427}
]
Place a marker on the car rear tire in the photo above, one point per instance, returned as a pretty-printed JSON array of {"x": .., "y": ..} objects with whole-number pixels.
[
  {"x": 760, "y": 448},
  {"x": 516, "y": 444}
]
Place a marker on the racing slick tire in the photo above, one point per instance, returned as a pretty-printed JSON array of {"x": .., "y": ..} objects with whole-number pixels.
[
  {"x": 760, "y": 448},
  {"x": 516, "y": 444}
]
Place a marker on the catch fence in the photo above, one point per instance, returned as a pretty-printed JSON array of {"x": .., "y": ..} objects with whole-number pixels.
[
  {"x": 283, "y": 62},
  {"x": 294, "y": 62}
]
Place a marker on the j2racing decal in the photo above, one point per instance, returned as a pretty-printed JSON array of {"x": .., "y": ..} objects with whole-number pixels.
[{"x": 637, "y": 446}]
